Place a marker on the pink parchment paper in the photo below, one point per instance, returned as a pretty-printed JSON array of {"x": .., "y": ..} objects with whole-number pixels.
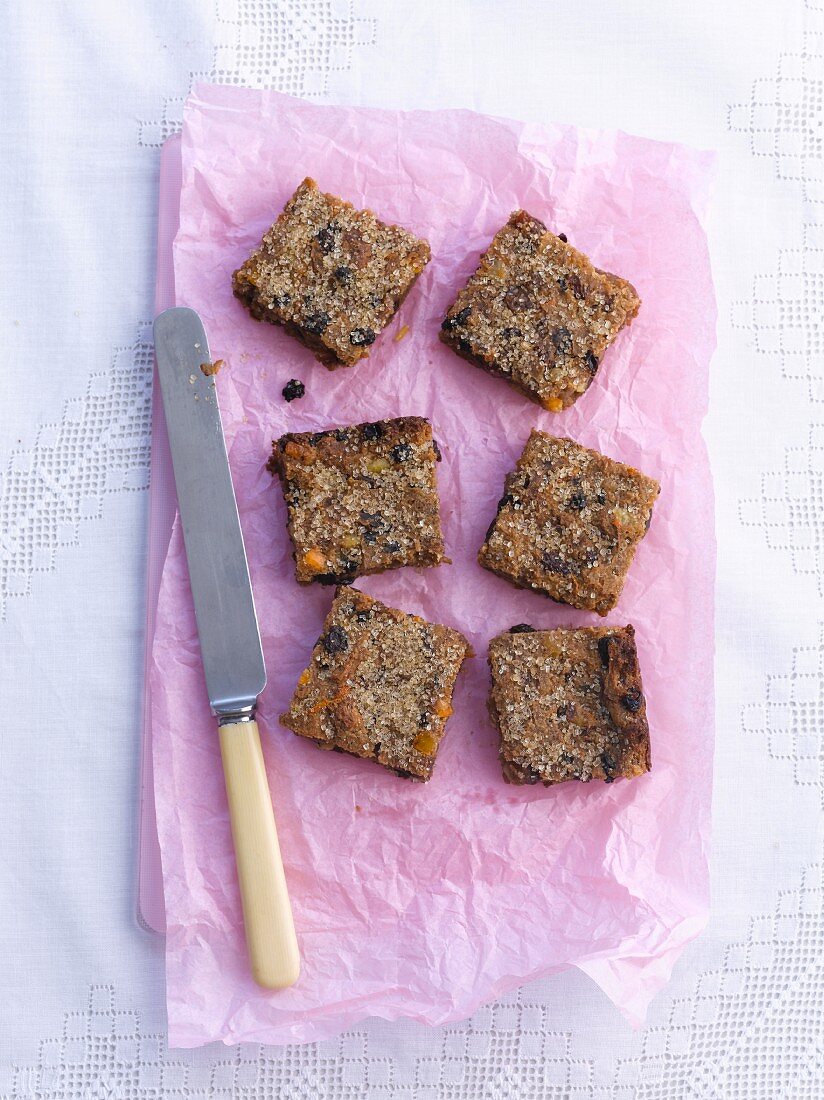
[{"x": 426, "y": 900}]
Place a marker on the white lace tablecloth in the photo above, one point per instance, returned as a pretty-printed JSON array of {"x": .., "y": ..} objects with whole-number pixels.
[{"x": 89, "y": 91}]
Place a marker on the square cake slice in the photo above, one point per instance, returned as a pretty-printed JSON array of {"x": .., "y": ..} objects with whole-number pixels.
[
  {"x": 379, "y": 685},
  {"x": 538, "y": 313},
  {"x": 360, "y": 499},
  {"x": 569, "y": 523},
  {"x": 332, "y": 275},
  {"x": 568, "y": 704}
]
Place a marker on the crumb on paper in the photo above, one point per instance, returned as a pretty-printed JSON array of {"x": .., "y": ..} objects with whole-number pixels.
[
  {"x": 358, "y": 808},
  {"x": 211, "y": 368},
  {"x": 402, "y": 331},
  {"x": 293, "y": 390}
]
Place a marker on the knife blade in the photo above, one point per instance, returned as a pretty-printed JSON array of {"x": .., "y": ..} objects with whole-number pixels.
[
  {"x": 228, "y": 630},
  {"x": 218, "y": 570}
]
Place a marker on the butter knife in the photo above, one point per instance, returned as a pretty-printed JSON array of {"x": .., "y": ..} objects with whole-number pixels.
[{"x": 229, "y": 635}]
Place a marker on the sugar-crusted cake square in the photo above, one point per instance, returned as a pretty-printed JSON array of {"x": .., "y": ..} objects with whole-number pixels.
[
  {"x": 569, "y": 523},
  {"x": 360, "y": 499},
  {"x": 538, "y": 313},
  {"x": 379, "y": 685},
  {"x": 568, "y": 704},
  {"x": 331, "y": 275}
]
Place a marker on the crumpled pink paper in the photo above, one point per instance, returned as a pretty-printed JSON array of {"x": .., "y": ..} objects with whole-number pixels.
[{"x": 425, "y": 901}]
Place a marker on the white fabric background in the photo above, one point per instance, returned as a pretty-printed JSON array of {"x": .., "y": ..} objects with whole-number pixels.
[{"x": 89, "y": 90}]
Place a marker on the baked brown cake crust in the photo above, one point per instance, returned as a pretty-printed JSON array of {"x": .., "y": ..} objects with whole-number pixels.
[
  {"x": 538, "y": 313},
  {"x": 332, "y": 275},
  {"x": 569, "y": 523},
  {"x": 360, "y": 499},
  {"x": 569, "y": 704},
  {"x": 379, "y": 685}
]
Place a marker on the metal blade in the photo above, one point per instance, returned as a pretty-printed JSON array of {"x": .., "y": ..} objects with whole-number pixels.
[{"x": 218, "y": 570}]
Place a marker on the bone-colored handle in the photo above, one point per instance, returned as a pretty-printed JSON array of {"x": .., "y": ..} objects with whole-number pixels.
[{"x": 267, "y": 914}]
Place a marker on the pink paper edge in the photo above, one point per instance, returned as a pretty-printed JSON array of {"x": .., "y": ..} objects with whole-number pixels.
[
  {"x": 151, "y": 909},
  {"x": 607, "y": 974},
  {"x": 611, "y": 972}
]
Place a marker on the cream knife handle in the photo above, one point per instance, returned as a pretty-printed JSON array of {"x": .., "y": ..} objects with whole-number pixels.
[{"x": 267, "y": 914}]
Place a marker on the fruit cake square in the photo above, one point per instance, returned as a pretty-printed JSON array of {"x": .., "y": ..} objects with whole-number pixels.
[
  {"x": 568, "y": 704},
  {"x": 379, "y": 685},
  {"x": 538, "y": 313},
  {"x": 331, "y": 275}
]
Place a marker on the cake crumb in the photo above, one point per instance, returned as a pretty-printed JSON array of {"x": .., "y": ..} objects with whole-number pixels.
[
  {"x": 293, "y": 390},
  {"x": 211, "y": 368}
]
